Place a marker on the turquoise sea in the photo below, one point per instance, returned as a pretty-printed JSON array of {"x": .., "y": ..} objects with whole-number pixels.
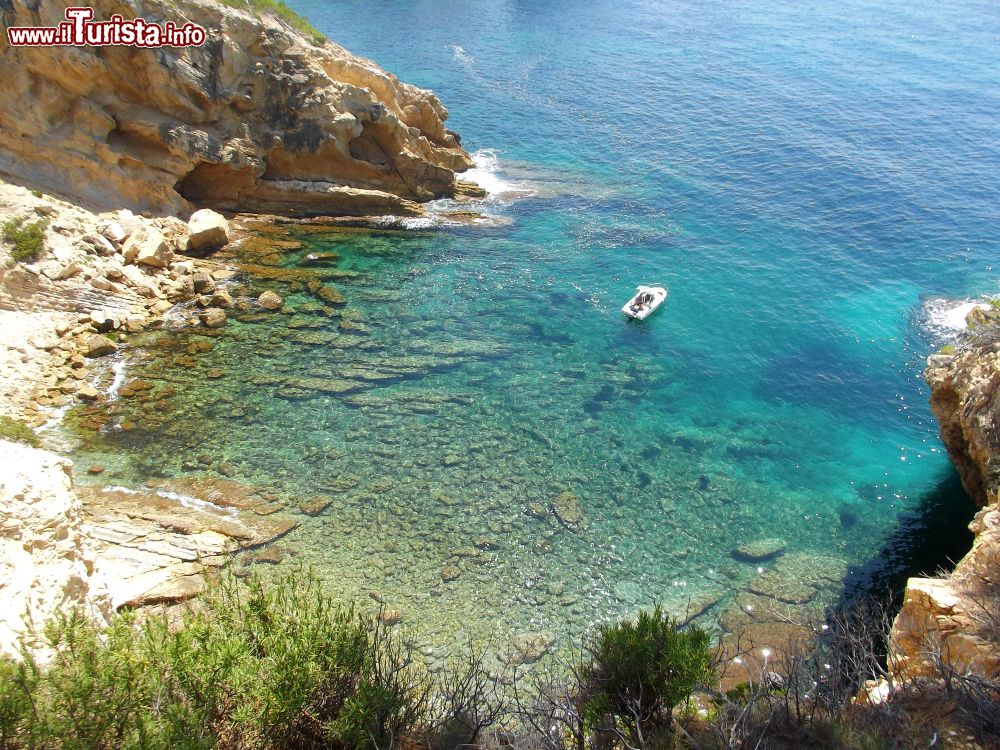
[{"x": 816, "y": 182}]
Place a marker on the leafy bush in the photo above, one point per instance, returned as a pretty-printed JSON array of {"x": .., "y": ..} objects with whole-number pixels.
[
  {"x": 27, "y": 239},
  {"x": 639, "y": 671},
  {"x": 17, "y": 431},
  {"x": 282, "y": 11},
  {"x": 252, "y": 667}
]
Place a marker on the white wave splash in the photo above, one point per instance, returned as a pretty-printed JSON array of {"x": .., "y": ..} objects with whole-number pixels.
[
  {"x": 118, "y": 368},
  {"x": 489, "y": 175},
  {"x": 193, "y": 502},
  {"x": 186, "y": 500},
  {"x": 405, "y": 222},
  {"x": 177, "y": 316},
  {"x": 946, "y": 317}
]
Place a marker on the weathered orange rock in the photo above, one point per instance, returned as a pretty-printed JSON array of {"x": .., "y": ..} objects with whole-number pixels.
[{"x": 209, "y": 126}]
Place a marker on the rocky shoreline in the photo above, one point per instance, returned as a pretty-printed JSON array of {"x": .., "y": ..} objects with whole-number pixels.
[
  {"x": 66, "y": 544},
  {"x": 261, "y": 119},
  {"x": 952, "y": 620}
]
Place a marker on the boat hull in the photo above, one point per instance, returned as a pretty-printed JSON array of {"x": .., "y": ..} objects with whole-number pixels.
[{"x": 656, "y": 295}]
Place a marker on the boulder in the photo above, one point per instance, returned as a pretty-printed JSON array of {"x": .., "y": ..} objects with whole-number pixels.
[
  {"x": 213, "y": 317},
  {"x": 114, "y": 232},
  {"x": 207, "y": 230},
  {"x": 87, "y": 393},
  {"x": 102, "y": 245},
  {"x": 203, "y": 283},
  {"x": 99, "y": 346},
  {"x": 103, "y": 321},
  {"x": 270, "y": 300},
  {"x": 68, "y": 271},
  {"x": 221, "y": 298},
  {"x": 147, "y": 246}
]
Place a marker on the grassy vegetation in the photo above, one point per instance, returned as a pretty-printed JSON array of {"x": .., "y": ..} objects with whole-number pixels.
[
  {"x": 27, "y": 239},
  {"x": 18, "y": 432},
  {"x": 282, "y": 11}
]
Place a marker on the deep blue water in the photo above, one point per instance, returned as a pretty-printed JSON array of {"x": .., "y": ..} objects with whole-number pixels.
[
  {"x": 803, "y": 175},
  {"x": 811, "y": 179}
]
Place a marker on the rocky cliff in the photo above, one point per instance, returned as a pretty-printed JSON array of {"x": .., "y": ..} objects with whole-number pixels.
[
  {"x": 258, "y": 119},
  {"x": 956, "y": 620}
]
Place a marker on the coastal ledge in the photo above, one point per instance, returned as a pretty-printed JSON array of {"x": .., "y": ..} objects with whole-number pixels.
[{"x": 952, "y": 621}]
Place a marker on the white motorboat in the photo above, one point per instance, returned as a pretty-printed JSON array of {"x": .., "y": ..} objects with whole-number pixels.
[{"x": 645, "y": 302}]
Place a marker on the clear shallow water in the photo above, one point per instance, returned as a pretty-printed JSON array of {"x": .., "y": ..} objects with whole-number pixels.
[{"x": 808, "y": 180}]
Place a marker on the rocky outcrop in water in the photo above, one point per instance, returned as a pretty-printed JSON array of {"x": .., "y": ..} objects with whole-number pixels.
[
  {"x": 258, "y": 119},
  {"x": 956, "y": 619}
]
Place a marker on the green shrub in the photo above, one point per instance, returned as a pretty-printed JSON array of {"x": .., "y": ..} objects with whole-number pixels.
[
  {"x": 282, "y": 11},
  {"x": 947, "y": 349},
  {"x": 27, "y": 239},
  {"x": 17, "y": 431},
  {"x": 640, "y": 670},
  {"x": 254, "y": 667}
]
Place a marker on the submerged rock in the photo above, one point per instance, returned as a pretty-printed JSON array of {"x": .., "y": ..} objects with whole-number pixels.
[
  {"x": 528, "y": 648},
  {"x": 315, "y": 505},
  {"x": 270, "y": 300},
  {"x": 270, "y": 555},
  {"x": 390, "y": 617},
  {"x": 760, "y": 550},
  {"x": 628, "y": 592},
  {"x": 568, "y": 510}
]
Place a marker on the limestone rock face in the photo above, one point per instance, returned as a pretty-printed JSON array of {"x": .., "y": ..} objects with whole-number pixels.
[
  {"x": 258, "y": 119},
  {"x": 155, "y": 549},
  {"x": 45, "y": 562},
  {"x": 207, "y": 229},
  {"x": 950, "y": 615}
]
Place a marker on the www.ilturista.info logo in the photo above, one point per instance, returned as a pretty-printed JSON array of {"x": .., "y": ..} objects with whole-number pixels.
[{"x": 78, "y": 30}]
